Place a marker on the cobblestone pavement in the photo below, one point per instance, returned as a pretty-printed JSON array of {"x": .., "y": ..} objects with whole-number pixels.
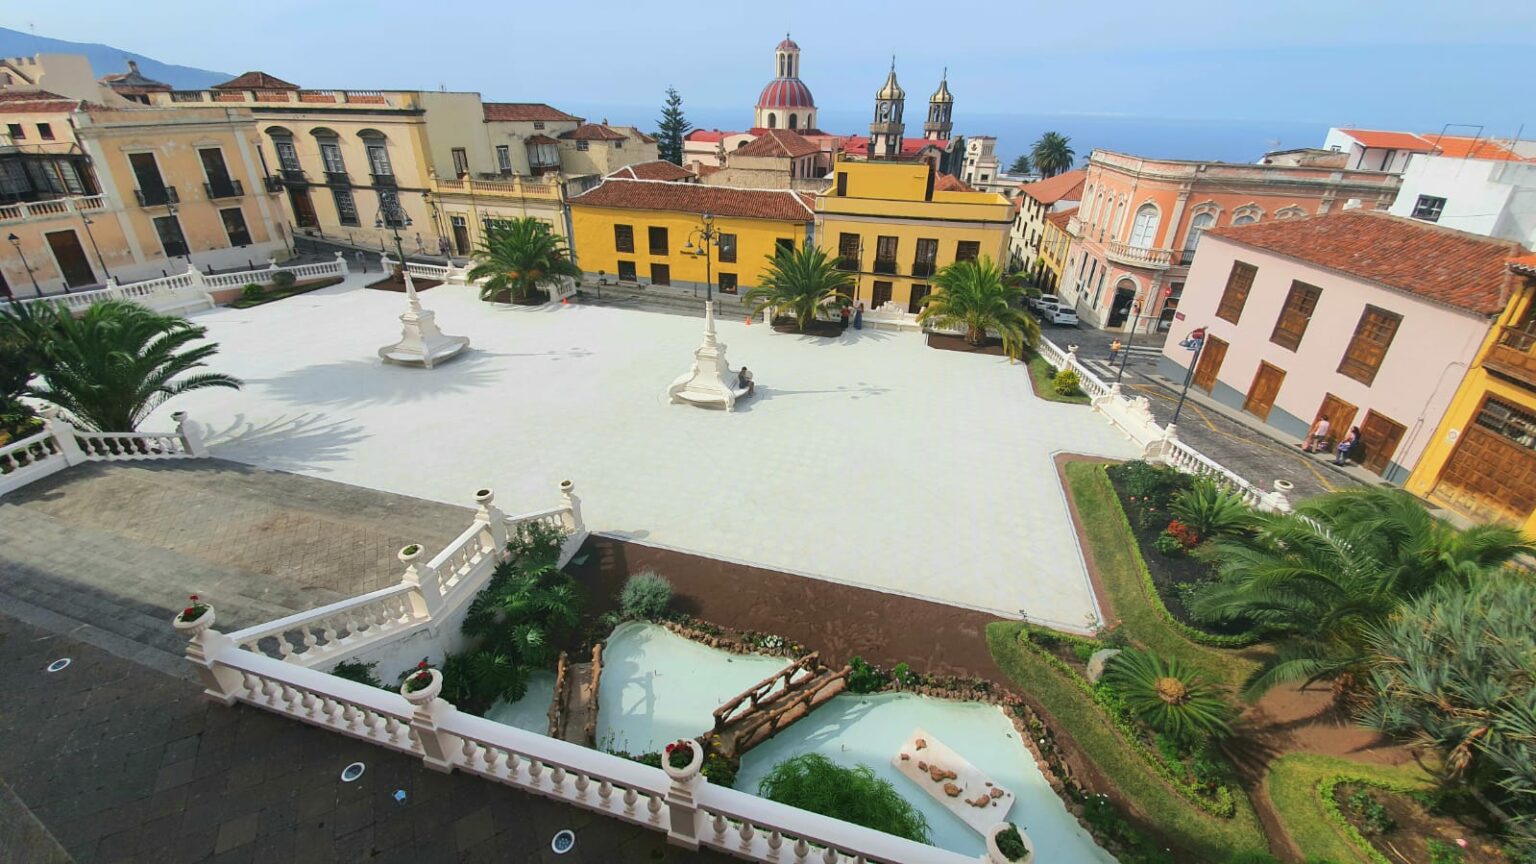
[
  {"x": 116, "y": 547},
  {"x": 122, "y": 763}
]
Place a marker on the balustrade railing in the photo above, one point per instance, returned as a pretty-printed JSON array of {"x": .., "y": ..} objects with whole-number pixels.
[
  {"x": 53, "y": 208},
  {"x": 1142, "y": 256},
  {"x": 1192, "y": 461},
  {"x": 61, "y": 445},
  {"x": 348, "y": 626}
]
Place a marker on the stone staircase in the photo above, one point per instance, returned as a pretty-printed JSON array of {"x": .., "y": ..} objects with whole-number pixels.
[{"x": 675, "y": 301}]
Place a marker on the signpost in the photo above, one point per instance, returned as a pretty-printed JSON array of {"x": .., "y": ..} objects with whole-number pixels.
[{"x": 1195, "y": 342}]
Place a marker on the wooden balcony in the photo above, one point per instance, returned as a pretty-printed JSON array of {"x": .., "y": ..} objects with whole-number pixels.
[{"x": 1513, "y": 356}]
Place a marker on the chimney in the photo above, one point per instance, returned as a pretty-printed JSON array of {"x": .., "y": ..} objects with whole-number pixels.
[
  {"x": 133, "y": 66},
  {"x": 1352, "y": 204}
]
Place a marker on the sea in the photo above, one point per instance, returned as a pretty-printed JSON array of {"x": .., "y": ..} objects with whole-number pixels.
[{"x": 1154, "y": 137}]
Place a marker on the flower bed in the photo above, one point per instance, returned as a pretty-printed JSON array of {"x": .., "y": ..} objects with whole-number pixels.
[{"x": 273, "y": 293}]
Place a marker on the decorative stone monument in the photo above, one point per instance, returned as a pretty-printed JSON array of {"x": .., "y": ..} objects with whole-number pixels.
[
  {"x": 710, "y": 383},
  {"x": 421, "y": 343}
]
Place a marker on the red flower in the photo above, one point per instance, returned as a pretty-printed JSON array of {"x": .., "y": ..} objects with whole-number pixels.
[
  {"x": 187, "y": 612},
  {"x": 193, "y": 598},
  {"x": 421, "y": 665}
]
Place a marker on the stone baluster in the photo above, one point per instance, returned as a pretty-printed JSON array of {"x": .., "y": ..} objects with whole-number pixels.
[
  {"x": 419, "y": 573},
  {"x": 569, "y": 499},
  {"x": 191, "y": 438},
  {"x": 341, "y": 265},
  {"x": 426, "y": 709},
  {"x": 495, "y": 521},
  {"x": 63, "y": 433},
  {"x": 220, "y": 683}
]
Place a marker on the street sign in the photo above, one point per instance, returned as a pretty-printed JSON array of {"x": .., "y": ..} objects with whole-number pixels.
[{"x": 1178, "y": 316}]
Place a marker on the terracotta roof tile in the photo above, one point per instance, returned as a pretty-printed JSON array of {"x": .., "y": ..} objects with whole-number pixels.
[
  {"x": 1393, "y": 140},
  {"x": 524, "y": 112},
  {"x": 51, "y": 107},
  {"x": 1472, "y": 148},
  {"x": 1467, "y": 271},
  {"x": 1060, "y": 218},
  {"x": 1066, "y": 186},
  {"x": 780, "y": 204},
  {"x": 28, "y": 96},
  {"x": 255, "y": 81},
  {"x": 950, "y": 183},
  {"x": 708, "y": 135},
  {"x": 592, "y": 132},
  {"x": 660, "y": 169},
  {"x": 541, "y": 139},
  {"x": 1525, "y": 265},
  {"x": 778, "y": 143}
]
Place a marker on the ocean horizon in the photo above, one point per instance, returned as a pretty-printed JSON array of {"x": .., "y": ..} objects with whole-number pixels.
[{"x": 1154, "y": 137}]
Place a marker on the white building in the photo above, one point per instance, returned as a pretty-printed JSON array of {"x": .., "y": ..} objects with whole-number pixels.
[
  {"x": 1383, "y": 150},
  {"x": 1495, "y": 198},
  {"x": 980, "y": 165}
]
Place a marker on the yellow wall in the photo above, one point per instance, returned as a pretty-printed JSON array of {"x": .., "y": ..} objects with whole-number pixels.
[
  {"x": 1469, "y": 396},
  {"x": 755, "y": 243}
]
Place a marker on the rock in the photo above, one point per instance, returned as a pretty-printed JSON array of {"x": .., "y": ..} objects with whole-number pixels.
[
  {"x": 937, "y": 773},
  {"x": 994, "y": 792},
  {"x": 1097, "y": 662},
  {"x": 922, "y": 766},
  {"x": 922, "y": 743},
  {"x": 906, "y": 757},
  {"x": 951, "y": 790}
]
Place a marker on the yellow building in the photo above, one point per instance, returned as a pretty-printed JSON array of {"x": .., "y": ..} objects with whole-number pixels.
[
  {"x": 638, "y": 229},
  {"x": 887, "y": 223},
  {"x": 89, "y": 192},
  {"x": 464, "y": 206},
  {"x": 1481, "y": 462},
  {"x": 1054, "y": 243}
]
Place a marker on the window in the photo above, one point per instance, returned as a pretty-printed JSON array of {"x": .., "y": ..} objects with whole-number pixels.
[
  {"x": 1295, "y": 315},
  {"x": 389, "y": 209},
  {"x": 661, "y": 274},
  {"x": 71, "y": 175},
  {"x": 581, "y": 145},
  {"x": 330, "y": 154},
  {"x": 1368, "y": 347},
  {"x": 624, "y": 238},
  {"x": 538, "y": 124},
  {"x": 171, "y": 239},
  {"x": 885, "y": 254},
  {"x": 504, "y": 158},
  {"x": 618, "y": 145},
  {"x": 927, "y": 254},
  {"x": 1245, "y": 219},
  {"x": 915, "y": 305},
  {"x": 378, "y": 160},
  {"x": 842, "y": 184},
  {"x": 658, "y": 238},
  {"x": 15, "y": 131},
  {"x": 726, "y": 243},
  {"x": 1144, "y": 227},
  {"x": 1198, "y": 226},
  {"x": 727, "y": 283},
  {"x": 45, "y": 131},
  {"x": 460, "y": 162},
  {"x": 346, "y": 208},
  {"x": 783, "y": 244},
  {"x": 1235, "y": 295},
  {"x": 847, "y": 248},
  {"x": 219, "y": 184},
  {"x": 287, "y": 154},
  {"x": 627, "y": 271},
  {"x": 967, "y": 250},
  {"x": 1428, "y": 208},
  {"x": 983, "y": 178},
  {"x": 1509, "y": 422},
  {"x": 234, "y": 226}
]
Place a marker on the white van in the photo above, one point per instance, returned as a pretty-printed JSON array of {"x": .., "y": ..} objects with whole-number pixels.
[{"x": 1060, "y": 316}]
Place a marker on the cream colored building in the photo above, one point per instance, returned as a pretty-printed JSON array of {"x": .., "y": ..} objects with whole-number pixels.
[{"x": 777, "y": 159}]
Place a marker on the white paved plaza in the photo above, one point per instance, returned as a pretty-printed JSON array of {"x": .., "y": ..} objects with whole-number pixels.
[{"x": 871, "y": 459}]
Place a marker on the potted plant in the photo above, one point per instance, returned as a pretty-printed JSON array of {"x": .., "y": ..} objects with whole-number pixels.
[
  {"x": 197, "y": 617},
  {"x": 1006, "y": 844},
  {"x": 409, "y": 553},
  {"x": 682, "y": 759},
  {"x": 422, "y": 684}
]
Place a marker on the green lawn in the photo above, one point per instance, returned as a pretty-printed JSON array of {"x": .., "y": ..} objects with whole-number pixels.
[
  {"x": 272, "y": 294},
  {"x": 1293, "y": 787},
  {"x": 1125, "y": 579},
  {"x": 1153, "y": 801},
  {"x": 1041, "y": 371}
]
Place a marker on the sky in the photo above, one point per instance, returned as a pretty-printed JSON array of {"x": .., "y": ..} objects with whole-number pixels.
[{"x": 1416, "y": 64}]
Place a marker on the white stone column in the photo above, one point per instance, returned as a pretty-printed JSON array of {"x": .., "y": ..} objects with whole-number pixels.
[
  {"x": 419, "y": 573},
  {"x": 682, "y": 809},
  {"x": 421, "y": 342},
  {"x": 569, "y": 499},
  {"x": 707, "y": 383},
  {"x": 341, "y": 265},
  {"x": 190, "y": 437},
  {"x": 495, "y": 521},
  {"x": 63, "y": 433},
  {"x": 221, "y": 684},
  {"x": 426, "y": 710}
]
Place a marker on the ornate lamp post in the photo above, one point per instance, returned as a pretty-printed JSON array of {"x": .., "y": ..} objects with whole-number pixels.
[
  {"x": 186, "y": 245},
  {"x": 86, "y": 219},
  {"x": 421, "y": 343},
  {"x": 16, "y": 241},
  {"x": 708, "y": 383}
]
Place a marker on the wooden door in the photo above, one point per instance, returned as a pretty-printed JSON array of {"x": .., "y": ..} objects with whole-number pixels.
[
  {"x": 1262, "y": 393},
  {"x": 918, "y": 293},
  {"x": 303, "y": 208},
  {"x": 1491, "y": 475},
  {"x": 73, "y": 264},
  {"x": 1211, "y": 356},
  {"x": 882, "y": 295},
  {"x": 1379, "y": 435},
  {"x": 461, "y": 235},
  {"x": 1340, "y": 414}
]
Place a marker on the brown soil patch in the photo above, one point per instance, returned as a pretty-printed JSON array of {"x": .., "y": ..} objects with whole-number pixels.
[
  {"x": 990, "y": 346},
  {"x": 825, "y": 329},
  {"x": 1417, "y": 825},
  {"x": 396, "y": 284}
]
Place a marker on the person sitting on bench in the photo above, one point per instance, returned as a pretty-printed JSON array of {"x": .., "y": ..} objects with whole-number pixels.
[{"x": 744, "y": 381}]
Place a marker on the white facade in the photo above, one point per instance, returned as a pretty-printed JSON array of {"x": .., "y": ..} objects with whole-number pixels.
[
  {"x": 1392, "y": 160},
  {"x": 980, "y": 165},
  {"x": 1494, "y": 198}
]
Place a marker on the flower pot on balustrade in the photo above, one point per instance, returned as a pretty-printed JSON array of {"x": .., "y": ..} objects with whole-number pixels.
[
  {"x": 996, "y": 856},
  {"x": 689, "y": 773},
  {"x": 426, "y": 693},
  {"x": 195, "y": 627}
]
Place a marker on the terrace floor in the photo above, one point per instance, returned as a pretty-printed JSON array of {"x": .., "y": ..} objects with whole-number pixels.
[{"x": 868, "y": 459}]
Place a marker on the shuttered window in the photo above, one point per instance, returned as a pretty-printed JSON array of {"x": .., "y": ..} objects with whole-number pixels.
[
  {"x": 1297, "y": 313},
  {"x": 1235, "y": 296},
  {"x": 1368, "y": 347}
]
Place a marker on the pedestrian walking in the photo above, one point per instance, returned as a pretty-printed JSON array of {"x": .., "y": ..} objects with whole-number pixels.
[
  {"x": 858, "y": 316},
  {"x": 1317, "y": 437}
]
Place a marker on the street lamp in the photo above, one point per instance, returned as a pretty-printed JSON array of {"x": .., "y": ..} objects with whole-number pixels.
[
  {"x": 393, "y": 216},
  {"x": 707, "y": 236},
  {"x": 708, "y": 382},
  {"x": 16, "y": 241},
  {"x": 100, "y": 260},
  {"x": 1194, "y": 342},
  {"x": 1125, "y": 353},
  {"x": 186, "y": 245}
]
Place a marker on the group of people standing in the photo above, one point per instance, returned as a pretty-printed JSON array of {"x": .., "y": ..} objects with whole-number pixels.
[
  {"x": 1317, "y": 441},
  {"x": 856, "y": 312}
]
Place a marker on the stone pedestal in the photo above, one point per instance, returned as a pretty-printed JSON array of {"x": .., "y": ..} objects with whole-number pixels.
[
  {"x": 710, "y": 382},
  {"x": 421, "y": 343}
]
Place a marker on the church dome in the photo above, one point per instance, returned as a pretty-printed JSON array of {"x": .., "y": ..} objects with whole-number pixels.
[
  {"x": 788, "y": 44},
  {"x": 891, "y": 91},
  {"x": 942, "y": 94},
  {"x": 786, "y": 93}
]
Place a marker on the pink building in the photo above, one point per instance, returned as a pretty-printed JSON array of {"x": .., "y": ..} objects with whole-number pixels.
[{"x": 1368, "y": 319}]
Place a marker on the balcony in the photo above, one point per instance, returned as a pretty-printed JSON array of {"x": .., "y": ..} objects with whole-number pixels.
[
  {"x": 53, "y": 208},
  {"x": 385, "y": 180},
  {"x": 273, "y": 184},
  {"x": 1138, "y": 256},
  {"x": 224, "y": 189},
  {"x": 848, "y": 263},
  {"x": 157, "y": 197},
  {"x": 886, "y": 267},
  {"x": 294, "y": 175},
  {"x": 1074, "y": 226},
  {"x": 922, "y": 269},
  {"x": 338, "y": 178},
  {"x": 1513, "y": 356}
]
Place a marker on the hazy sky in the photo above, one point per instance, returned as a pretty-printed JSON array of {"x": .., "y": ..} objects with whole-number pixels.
[{"x": 1417, "y": 63}]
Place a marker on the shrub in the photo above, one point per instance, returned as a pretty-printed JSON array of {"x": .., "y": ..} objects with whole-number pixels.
[
  {"x": 904, "y": 675},
  {"x": 1187, "y": 536},
  {"x": 866, "y": 678},
  {"x": 1252, "y": 857},
  {"x": 1168, "y": 543},
  {"x": 283, "y": 279},
  {"x": 719, "y": 770},
  {"x": 1066, "y": 383},
  {"x": 1211, "y": 510},
  {"x": 1374, "y": 818},
  {"x": 1445, "y": 853},
  {"x": 1011, "y": 844},
  {"x": 813, "y": 782},
  {"x": 1167, "y": 695},
  {"x": 646, "y": 595},
  {"x": 253, "y": 292},
  {"x": 355, "y": 670}
]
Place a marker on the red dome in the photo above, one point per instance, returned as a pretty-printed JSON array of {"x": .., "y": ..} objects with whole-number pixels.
[
  {"x": 788, "y": 45},
  {"x": 786, "y": 93}
]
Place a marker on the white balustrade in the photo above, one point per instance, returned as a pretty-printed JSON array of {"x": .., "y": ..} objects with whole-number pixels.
[
  {"x": 1052, "y": 353},
  {"x": 1138, "y": 255},
  {"x": 136, "y": 446},
  {"x": 53, "y": 208},
  {"x": 61, "y": 445},
  {"x": 1192, "y": 461},
  {"x": 31, "y": 458}
]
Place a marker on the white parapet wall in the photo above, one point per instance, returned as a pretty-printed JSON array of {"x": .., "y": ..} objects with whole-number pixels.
[{"x": 61, "y": 445}]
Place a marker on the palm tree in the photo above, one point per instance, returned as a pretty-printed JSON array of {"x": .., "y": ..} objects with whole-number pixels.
[
  {"x": 112, "y": 366},
  {"x": 1167, "y": 695},
  {"x": 801, "y": 283},
  {"x": 974, "y": 295},
  {"x": 1052, "y": 154},
  {"x": 517, "y": 256}
]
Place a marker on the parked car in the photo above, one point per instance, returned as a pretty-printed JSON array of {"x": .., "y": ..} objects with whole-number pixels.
[
  {"x": 1060, "y": 316},
  {"x": 1034, "y": 303}
]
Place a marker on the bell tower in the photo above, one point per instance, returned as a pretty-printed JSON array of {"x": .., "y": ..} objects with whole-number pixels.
[
  {"x": 941, "y": 106},
  {"x": 887, "y": 130}
]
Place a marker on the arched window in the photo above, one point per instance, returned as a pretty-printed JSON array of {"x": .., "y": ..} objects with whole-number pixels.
[
  {"x": 378, "y": 153},
  {"x": 1198, "y": 226},
  {"x": 1244, "y": 219},
  {"x": 282, "y": 143},
  {"x": 1144, "y": 229},
  {"x": 773, "y": 121},
  {"x": 794, "y": 122}
]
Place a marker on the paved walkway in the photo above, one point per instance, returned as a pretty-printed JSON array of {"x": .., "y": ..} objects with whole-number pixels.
[
  {"x": 122, "y": 763},
  {"x": 116, "y": 548}
]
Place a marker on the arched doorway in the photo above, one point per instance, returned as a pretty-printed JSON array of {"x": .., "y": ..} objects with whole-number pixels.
[{"x": 1120, "y": 307}]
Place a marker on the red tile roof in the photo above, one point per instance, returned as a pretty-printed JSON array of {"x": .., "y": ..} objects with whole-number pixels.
[
  {"x": 1392, "y": 140},
  {"x": 660, "y": 169},
  {"x": 1066, "y": 186},
  {"x": 780, "y": 204},
  {"x": 523, "y": 112},
  {"x": 592, "y": 132},
  {"x": 784, "y": 93},
  {"x": 709, "y": 135},
  {"x": 1060, "y": 218},
  {"x": 1455, "y": 146},
  {"x": 28, "y": 95},
  {"x": 1524, "y": 265},
  {"x": 950, "y": 183},
  {"x": 49, "y": 107},
  {"x": 255, "y": 81},
  {"x": 779, "y": 144},
  {"x": 541, "y": 139},
  {"x": 1467, "y": 271}
]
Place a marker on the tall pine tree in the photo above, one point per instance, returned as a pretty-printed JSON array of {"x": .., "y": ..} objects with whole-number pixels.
[{"x": 671, "y": 129}]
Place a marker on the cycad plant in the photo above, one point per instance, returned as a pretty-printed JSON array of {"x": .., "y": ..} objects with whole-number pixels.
[
  {"x": 803, "y": 284},
  {"x": 1211, "y": 510},
  {"x": 116, "y": 363},
  {"x": 517, "y": 256},
  {"x": 973, "y": 295},
  {"x": 1168, "y": 696}
]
